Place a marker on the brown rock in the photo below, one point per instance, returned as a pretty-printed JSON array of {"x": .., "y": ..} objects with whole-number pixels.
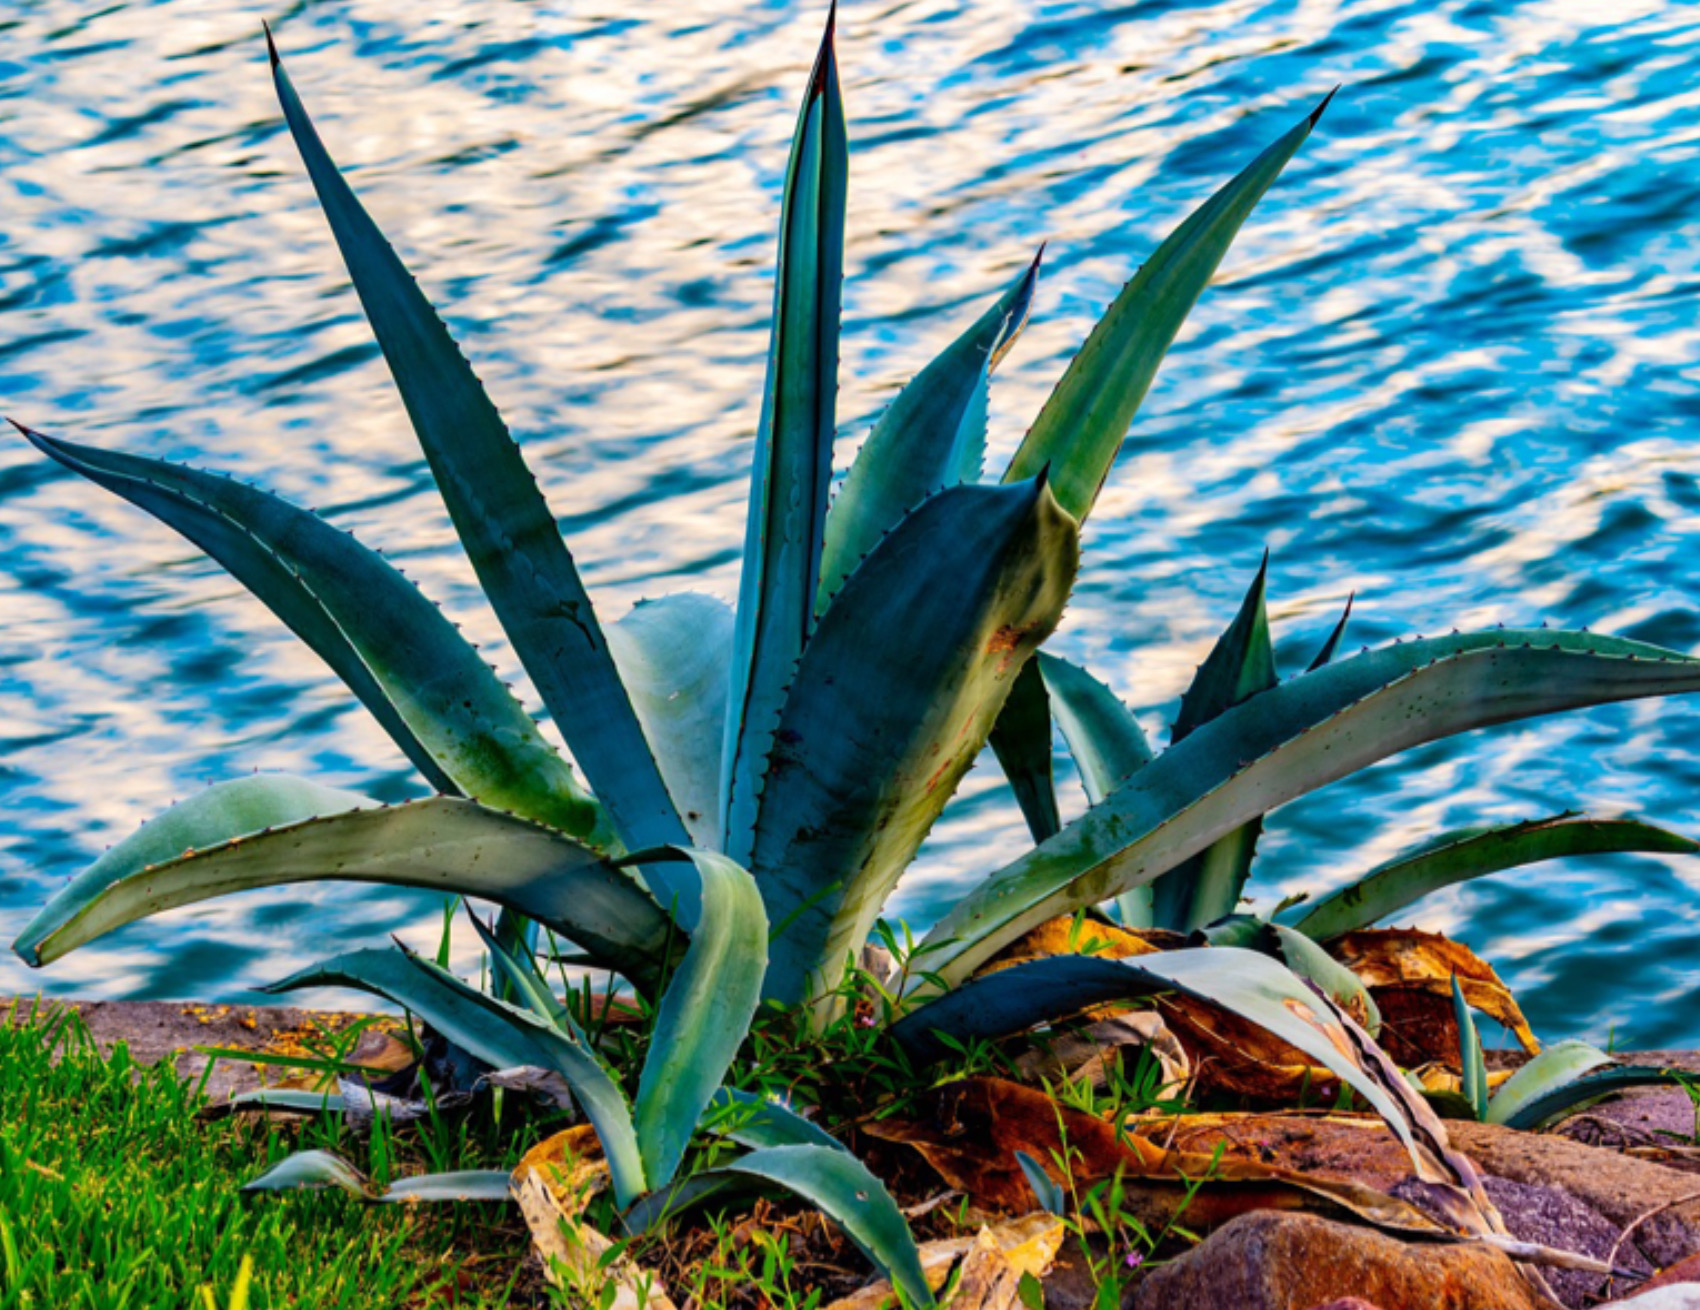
[
  {"x": 1347, "y": 1303},
  {"x": 1276, "y": 1261},
  {"x": 1620, "y": 1187},
  {"x": 170, "y": 1030}
]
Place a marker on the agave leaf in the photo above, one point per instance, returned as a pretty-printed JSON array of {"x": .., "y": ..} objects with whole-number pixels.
[
  {"x": 793, "y": 456},
  {"x": 1021, "y": 739},
  {"x": 932, "y": 436},
  {"x": 1050, "y": 1195},
  {"x": 1326, "y": 654},
  {"x": 1305, "y": 958},
  {"x": 1284, "y": 743},
  {"x": 1474, "y": 1088},
  {"x": 498, "y": 511},
  {"x": 1207, "y": 886},
  {"x": 760, "y": 1121},
  {"x": 500, "y": 1034},
  {"x": 292, "y": 1099},
  {"x": 311, "y": 1171},
  {"x": 222, "y": 813},
  {"x": 1552, "y": 1098},
  {"x": 1467, "y": 853},
  {"x": 314, "y": 1170},
  {"x": 1108, "y": 747},
  {"x": 519, "y": 979},
  {"x": 893, "y": 700},
  {"x": 455, "y": 1185},
  {"x": 1106, "y": 741},
  {"x": 1080, "y": 429},
  {"x": 832, "y": 1180},
  {"x": 704, "y": 1015},
  {"x": 442, "y": 844},
  {"x": 1245, "y": 983},
  {"x": 675, "y": 655},
  {"x": 420, "y": 678},
  {"x": 1557, "y": 1066}
]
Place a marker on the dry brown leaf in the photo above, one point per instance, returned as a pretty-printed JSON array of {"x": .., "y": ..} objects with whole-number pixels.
[
  {"x": 1409, "y": 972},
  {"x": 1064, "y": 936},
  {"x": 570, "y": 1165},
  {"x": 970, "y": 1131},
  {"x": 1086, "y": 1056},
  {"x": 1027, "y": 1245},
  {"x": 1330, "y": 1146},
  {"x": 1236, "y": 1057},
  {"x": 575, "y": 1255}
]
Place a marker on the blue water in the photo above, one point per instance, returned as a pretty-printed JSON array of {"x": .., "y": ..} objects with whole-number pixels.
[{"x": 1450, "y": 365}]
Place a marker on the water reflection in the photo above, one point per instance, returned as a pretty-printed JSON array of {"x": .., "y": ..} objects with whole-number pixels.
[{"x": 1450, "y": 366}]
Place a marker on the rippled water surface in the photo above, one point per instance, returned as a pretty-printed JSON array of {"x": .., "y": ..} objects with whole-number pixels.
[{"x": 1450, "y": 365}]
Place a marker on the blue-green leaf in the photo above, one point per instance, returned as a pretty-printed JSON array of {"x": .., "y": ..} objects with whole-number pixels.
[
  {"x": 1550, "y": 1094},
  {"x": 421, "y": 679},
  {"x": 1021, "y": 739},
  {"x": 1310, "y": 962},
  {"x": 835, "y": 1182},
  {"x": 498, "y": 511},
  {"x": 442, "y": 844},
  {"x": 933, "y": 435},
  {"x": 892, "y": 702},
  {"x": 1474, "y": 1088},
  {"x": 1467, "y": 853},
  {"x": 315, "y": 1170},
  {"x": 1289, "y": 741},
  {"x": 1326, "y": 654},
  {"x": 1245, "y": 983},
  {"x": 1207, "y": 886},
  {"x": 759, "y": 1121},
  {"x": 675, "y": 656},
  {"x": 105, "y": 896},
  {"x": 704, "y": 1014},
  {"x": 500, "y": 1034},
  {"x": 1108, "y": 747},
  {"x": 1050, "y": 1196},
  {"x": 1080, "y": 429},
  {"x": 793, "y": 457},
  {"x": 518, "y": 978}
]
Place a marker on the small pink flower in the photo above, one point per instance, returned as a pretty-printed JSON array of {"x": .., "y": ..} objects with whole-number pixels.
[{"x": 1135, "y": 1259}]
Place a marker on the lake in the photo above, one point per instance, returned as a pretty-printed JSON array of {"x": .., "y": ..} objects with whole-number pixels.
[{"x": 1450, "y": 366}]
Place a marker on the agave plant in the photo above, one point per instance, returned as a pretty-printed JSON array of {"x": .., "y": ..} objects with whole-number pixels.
[
  {"x": 1562, "y": 1079},
  {"x": 783, "y": 762}
]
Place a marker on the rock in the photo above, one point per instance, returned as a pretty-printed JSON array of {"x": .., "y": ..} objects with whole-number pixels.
[
  {"x": 161, "y": 1030},
  {"x": 1619, "y": 1187},
  {"x": 1273, "y": 1261},
  {"x": 1557, "y": 1219},
  {"x": 1347, "y": 1303}
]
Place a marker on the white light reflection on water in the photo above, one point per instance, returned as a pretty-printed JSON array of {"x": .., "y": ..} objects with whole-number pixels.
[{"x": 1450, "y": 365}]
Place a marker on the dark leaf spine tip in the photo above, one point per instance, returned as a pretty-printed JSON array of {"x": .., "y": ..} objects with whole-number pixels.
[
  {"x": 271, "y": 45},
  {"x": 1316, "y": 114}
]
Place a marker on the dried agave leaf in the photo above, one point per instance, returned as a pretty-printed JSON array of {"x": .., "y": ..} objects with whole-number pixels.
[
  {"x": 1068, "y": 935},
  {"x": 971, "y": 1131},
  {"x": 1027, "y": 1245},
  {"x": 570, "y": 1165},
  {"x": 1403, "y": 967},
  {"x": 1085, "y": 1056},
  {"x": 576, "y": 1258}
]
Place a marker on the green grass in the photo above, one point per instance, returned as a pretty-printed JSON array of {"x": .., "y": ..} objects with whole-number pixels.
[{"x": 112, "y": 1194}]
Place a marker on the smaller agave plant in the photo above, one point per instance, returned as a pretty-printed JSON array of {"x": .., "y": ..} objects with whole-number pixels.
[{"x": 756, "y": 781}]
